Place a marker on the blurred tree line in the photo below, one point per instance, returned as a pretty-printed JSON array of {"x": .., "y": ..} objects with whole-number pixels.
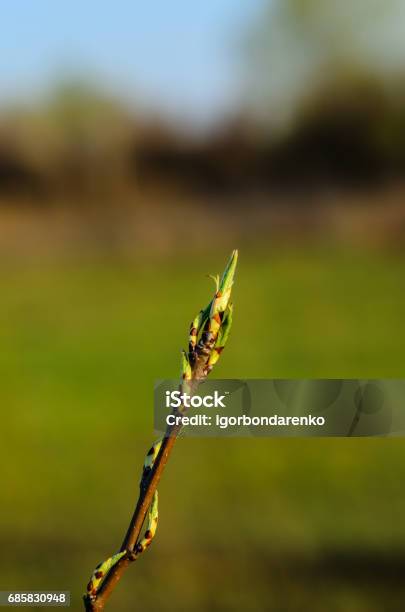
[
  {"x": 76, "y": 141},
  {"x": 325, "y": 105},
  {"x": 326, "y": 84}
]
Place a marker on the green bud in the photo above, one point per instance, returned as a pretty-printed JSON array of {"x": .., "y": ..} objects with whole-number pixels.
[
  {"x": 100, "y": 573},
  {"x": 225, "y": 329},
  {"x": 151, "y": 526},
  {"x": 226, "y": 281},
  {"x": 222, "y": 296}
]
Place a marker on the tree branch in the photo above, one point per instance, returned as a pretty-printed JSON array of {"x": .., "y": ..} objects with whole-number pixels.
[
  {"x": 208, "y": 335},
  {"x": 135, "y": 526}
]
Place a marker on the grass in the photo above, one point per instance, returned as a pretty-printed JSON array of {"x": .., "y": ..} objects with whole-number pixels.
[{"x": 81, "y": 345}]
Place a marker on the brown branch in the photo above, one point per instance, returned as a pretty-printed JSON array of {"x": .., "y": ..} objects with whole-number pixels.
[
  {"x": 135, "y": 526},
  {"x": 148, "y": 489},
  {"x": 198, "y": 363}
]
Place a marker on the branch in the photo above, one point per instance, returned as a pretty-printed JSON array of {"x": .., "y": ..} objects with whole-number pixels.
[
  {"x": 136, "y": 523},
  {"x": 208, "y": 335}
]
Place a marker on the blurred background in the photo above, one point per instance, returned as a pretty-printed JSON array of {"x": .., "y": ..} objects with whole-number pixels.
[{"x": 139, "y": 144}]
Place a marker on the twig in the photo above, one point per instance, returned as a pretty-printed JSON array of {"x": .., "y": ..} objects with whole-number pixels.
[
  {"x": 136, "y": 523},
  {"x": 208, "y": 335}
]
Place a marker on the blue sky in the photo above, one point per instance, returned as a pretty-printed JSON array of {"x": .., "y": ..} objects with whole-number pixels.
[{"x": 174, "y": 54}]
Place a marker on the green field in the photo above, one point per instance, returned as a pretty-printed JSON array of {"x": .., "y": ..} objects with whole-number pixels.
[{"x": 244, "y": 524}]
